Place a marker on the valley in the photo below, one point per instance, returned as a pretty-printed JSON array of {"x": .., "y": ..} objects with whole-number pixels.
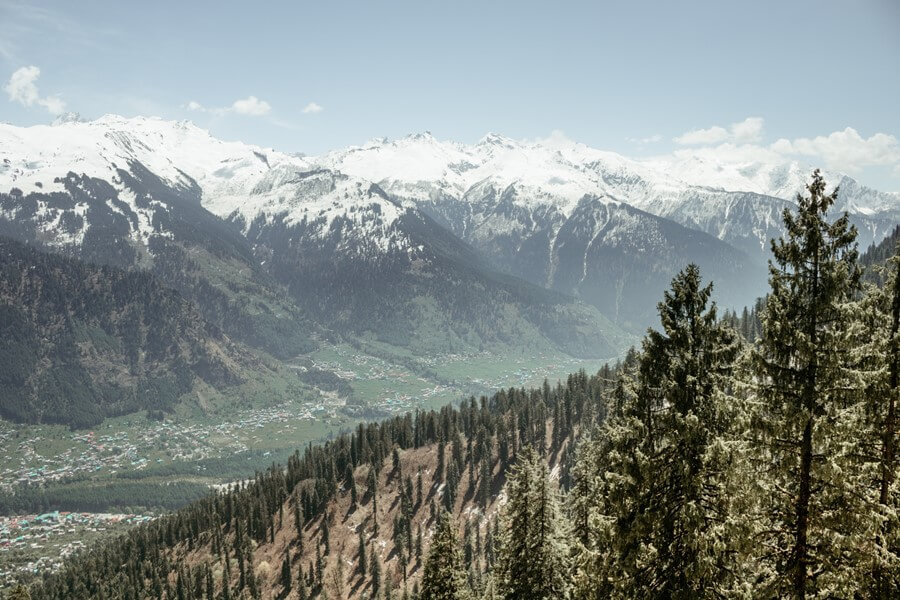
[
  {"x": 194, "y": 444},
  {"x": 121, "y": 465}
]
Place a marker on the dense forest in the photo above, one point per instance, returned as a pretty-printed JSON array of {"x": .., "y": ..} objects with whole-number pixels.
[
  {"x": 80, "y": 342},
  {"x": 749, "y": 456}
]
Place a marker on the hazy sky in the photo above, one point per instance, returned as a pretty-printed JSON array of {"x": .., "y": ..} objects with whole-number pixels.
[{"x": 819, "y": 81}]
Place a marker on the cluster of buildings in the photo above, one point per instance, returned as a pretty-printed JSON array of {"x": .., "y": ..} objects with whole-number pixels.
[
  {"x": 31, "y": 545},
  {"x": 35, "y": 459},
  {"x": 92, "y": 452}
]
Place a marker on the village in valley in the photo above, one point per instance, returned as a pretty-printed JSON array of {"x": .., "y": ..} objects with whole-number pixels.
[
  {"x": 37, "y": 455},
  {"x": 128, "y": 448},
  {"x": 36, "y": 544}
]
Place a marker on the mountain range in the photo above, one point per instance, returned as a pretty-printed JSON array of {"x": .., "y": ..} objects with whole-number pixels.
[{"x": 429, "y": 245}]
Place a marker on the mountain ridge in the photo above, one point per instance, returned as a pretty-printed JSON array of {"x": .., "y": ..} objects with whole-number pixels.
[{"x": 524, "y": 207}]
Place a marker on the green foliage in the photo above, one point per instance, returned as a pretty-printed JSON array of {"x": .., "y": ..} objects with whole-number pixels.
[
  {"x": 652, "y": 494},
  {"x": 90, "y": 496},
  {"x": 79, "y": 342},
  {"x": 20, "y": 592},
  {"x": 533, "y": 558},
  {"x": 815, "y": 528},
  {"x": 444, "y": 577}
]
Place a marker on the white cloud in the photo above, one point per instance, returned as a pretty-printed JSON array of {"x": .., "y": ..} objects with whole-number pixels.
[
  {"x": 713, "y": 135},
  {"x": 746, "y": 131},
  {"x": 846, "y": 150},
  {"x": 250, "y": 106},
  {"x": 312, "y": 107},
  {"x": 22, "y": 88}
]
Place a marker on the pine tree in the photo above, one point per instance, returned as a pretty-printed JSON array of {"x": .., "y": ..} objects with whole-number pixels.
[
  {"x": 210, "y": 584},
  {"x": 320, "y": 567},
  {"x": 484, "y": 483},
  {"x": 419, "y": 488},
  {"x": 286, "y": 576},
  {"x": 376, "y": 572},
  {"x": 814, "y": 527},
  {"x": 337, "y": 579},
  {"x": 878, "y": 341},
  {"x": 326, "y": 534},
  {"x": 350, "y": 482},
  {"x": 533, "y": 558},
  {"x": 302, "y": 589},
  {"x": 654, "y": 493},
  {"x": 444, "y": 577},
  {"x": 361, "y": 555}
]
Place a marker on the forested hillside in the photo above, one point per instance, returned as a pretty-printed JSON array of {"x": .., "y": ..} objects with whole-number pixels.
[
  {"x": 148, "y": 224},
  {"x": 878, "y": 254},
  {"x": 704, "y": 465},
  {"x": 80, "y": 342}
]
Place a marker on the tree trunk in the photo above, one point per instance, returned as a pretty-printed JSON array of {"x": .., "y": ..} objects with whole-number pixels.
[{"x": 801, "y": 556}]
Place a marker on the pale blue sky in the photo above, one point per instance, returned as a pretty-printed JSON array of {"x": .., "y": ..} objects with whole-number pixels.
[{"x": 623, "y": 76}]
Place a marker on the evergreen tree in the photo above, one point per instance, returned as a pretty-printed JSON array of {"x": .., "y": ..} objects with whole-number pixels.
[
  {"x": 654, "y": 493},
  {"x": 418, "y": 544},
  {"x": 484, "y": 483},
  {"x": 815, "y": 530},
  {"x": 444, "y": 577},
  {"x": 376, "y": 572},
  {"x": 878, "y": 341},
  {"x": 286, "y": 576},
  {"x": 302, "y": 589},
  {"x": 419, "y": 488},
  {"x": 361, "y": 554},
  {"x": 210, "y": 584},
  {"x": 326, "y": 534},
  {"x": 533, "y": 559}
]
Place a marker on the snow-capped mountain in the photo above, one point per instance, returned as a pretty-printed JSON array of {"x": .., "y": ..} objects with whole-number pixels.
[
  {"x": 555, "y": 174},
  {"x": 581, "y": 221},
  {"x": 519, "y": 203},
  {"x": 154, "y": 193},
  {"x": 231, "y": 180}
]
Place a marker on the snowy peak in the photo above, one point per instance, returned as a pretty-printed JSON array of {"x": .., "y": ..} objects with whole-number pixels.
[
  {"x": 419, "y": 167},
  {"x": 532, "y": 178},
  {"x": 567, "y": 170},
  {"x": 495, "y": 140},
  {"x": 234, "y": 181},
  {"x": 175, "y": 151}
]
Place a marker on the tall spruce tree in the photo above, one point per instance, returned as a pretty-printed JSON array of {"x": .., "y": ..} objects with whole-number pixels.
[
  {"x": 533, "y": 558},
  {"x": 654, "y": 491},
  {"x": 444, "y": 577},
  {"x": 286, "y": 576},
  {"x": 361, "y": 553},
  {"x": 878, "y": 341},
  {"x": 814, "y": 530}
]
